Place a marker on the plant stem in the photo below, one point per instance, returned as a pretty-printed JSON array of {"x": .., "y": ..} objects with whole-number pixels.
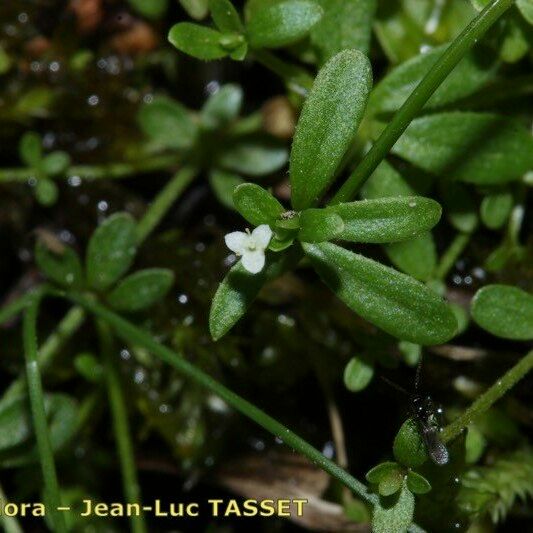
[
  {"x": 451, "y": 255},
  {"x": 121, "y": 428},
  {"x": 163, "y": 201},
  {"x": 10, "y": 523},
  {"x": 416, "y": 101},
  {"x": 93, "y": 172},
  {"x": 489, "y": 397},
  {"x": 135, "y": 335},
  {"x": 15, "y": 307},
  {"x": 40, "y": 424},
  {"x": 296, "y": 78}
]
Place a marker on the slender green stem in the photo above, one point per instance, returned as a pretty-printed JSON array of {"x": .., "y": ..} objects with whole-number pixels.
[
  {"x": 163, "y": 201},
  {"x": 489, "y": 397},
  {"x": 296, "y": 78},
  {"x": 416, "y": 101},
  {"x": 12, "y": 309},
  {"x": 121, "y": 428},
  {"x": 9, "y": 523},
  {"x": 40, "y": 424},
  {"x": 452, "y": 254},
  {"x": 94, "y": 172}
]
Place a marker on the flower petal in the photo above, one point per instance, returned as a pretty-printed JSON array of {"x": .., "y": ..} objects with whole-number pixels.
[
  {"x": 262, "y": 235},
  {"x": 253, "y": 261},
  {"x": 236, "y": 241}
]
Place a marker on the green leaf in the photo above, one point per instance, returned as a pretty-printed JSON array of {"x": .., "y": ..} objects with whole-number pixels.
[
  {"x": 394, "y": 514},
  {"x": 282, "y": 23},
  {"x": 417, "y": 484},
  {"x": 151, "y": 9},
  {"x": 319, "y": 225},
  {"x": 470, "y": 75},
  {"x": 391, "y": 482},
  {"x": 477, "y": 148},
  {"x": 389, "y": 299},
  {"x": 46, "y": 192},
  {"x": 459, "y": 206},
  {"x": 15, "y": 421},
  {"x": 141, "y": 289},
  {"x": 475, "y": 444},
  {"x": 111, "y": 250},
  {"x": 254, "y": 156},
  {"x": 5, "y": 61},
  {"x": 225, "y": 16},
  {"x": 223, "y": 185},
  {"x": 409, "y": 448},
  {"x": 256, "y": 204},
  {"x": 496, "y": 208},
  {"x": 376, "y": 474},
  {"x": 387, "y": 219},
  {"x": 222, "y": 107},
  {"x": 504, "y": 311},
  {"x": 30, "y": 149},
  {"x": 358, "y": 373},
  {"x": 61, "y": 266},
  {"x": 336, "y": 31},
  {"x": 89, "y": 367},
  {"x": 526, "y": 8},
  {"x": 197, "y": 9},
  {"x": 197, "y": 41},
  {"x": 328, "y": 124},
  {"x": 55, "y": 163},
  {"x": 168, "y": 123},
  {"x": 239, "y": 289},
  {"x": 416, "y": 257}
]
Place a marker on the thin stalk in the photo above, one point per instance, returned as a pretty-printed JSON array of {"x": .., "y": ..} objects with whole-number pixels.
[
  {"x": 9, "y": 523},
  {"x": 296, "y": 78},
  {"x": 452, "y": 254},
  {"x": 35, "y": 388},
  {"x": 418, "y": 98},
  {"x": 163, "y": 201},
  {"x": 95, "y": 172},
  {"x": 12, "y": 309},
  {"x": 489, "y": 397},
  {"x": 121, "y": 429}
]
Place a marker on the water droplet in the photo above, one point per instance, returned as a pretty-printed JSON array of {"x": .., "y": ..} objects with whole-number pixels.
[{"x": 412, "y": 203}]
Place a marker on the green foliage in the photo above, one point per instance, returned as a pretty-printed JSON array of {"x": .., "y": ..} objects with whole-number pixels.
[
  {"x": 197, "y": 9},
  {"x": 358, "y": 373},
  {"x": 319, "y": 225},
  {"x": 392, "y": 301},
  {"x": 198, "y": 41},
  {"x": 328, "y": 123},
  {"x": 409, "y": 448},
  {"x": 62, "y": 266},
  {"x": 222, "y": 107},
  {"x": 504, "y": 311},
  {"x": 417, "y": 484},
  {"x": 496, "y": 208},
  {"x": 394, "y": 513},
  {"x": 223, "y": 185},
  {"x": 151, "y": 9},
  {"x": 225, "y": 16},
  {"x": 256, "y": 204}
]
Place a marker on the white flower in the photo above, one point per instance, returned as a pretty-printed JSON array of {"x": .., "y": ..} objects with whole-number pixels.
[{"x": 251, "y": 246}]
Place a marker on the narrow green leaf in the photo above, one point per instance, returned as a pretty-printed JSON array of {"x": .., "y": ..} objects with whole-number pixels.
[
  {"x": 387, "y": 219},
  {"x": 282, "y": 23},
  {"x": 239, "y": 289},
  {"x": 416, "y": 257},
  {"x": 417, "y": 484},
  {"x": 197, "y": 41},
  {"x": 197, "y": 9},
  {"x": 61, "y": 266},
  {"x": 30, "y": 149},
  {"x": 394, "y": 514},
  {"x": 55, "y": 163},
  {"x": 15, "y": 421},
  {"x": 496, "y": 208},
  {"x": 386, "y": 182},
  {"x": 168, "y": 123},
  {"x": 319, "y": 225},
  {"x": 409, "y": 448},
  {"x": 477, "y": 148},
  {"x": 46, "y": 192},
  {"x": 225, "y": 16},
  {"x": 254, "y": 156},
  {"x": 141, "y": 289},
  {"x": 358, "y": 373},
  {"x": 504, "y": 311},
  {"x": 222, "y": 107},
  {"x": 151, "y": 9},
  {"x": 223, "y": 185},
  {"x": 470, "y": 75},
  {"x": 111, "y": 250},
  {"x": 475, "y": 444},
  {"x": 389, "y": 299},
  {"x": 328, "y": 124},
  {"x": 256, "y": 204},
  {"x": 375, "y": 475},
  {"x": 89, "y": 367},
  {"x": 336, "y": 31}
]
